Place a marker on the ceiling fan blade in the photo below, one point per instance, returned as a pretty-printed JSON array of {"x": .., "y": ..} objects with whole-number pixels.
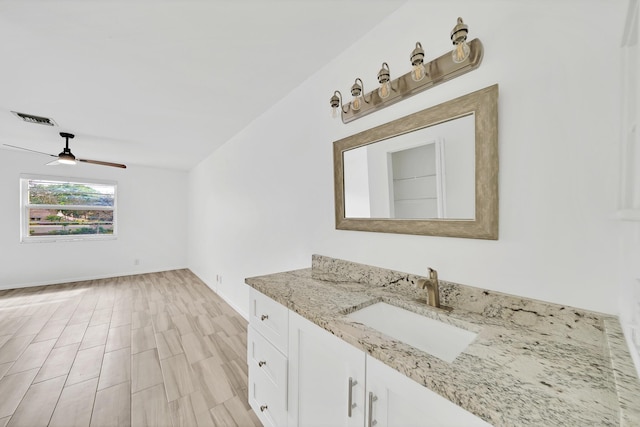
[
  {"x": 33, "y": 151},
  {"x": 53, "y": 163},
  {"x": 98, "y": 162}
]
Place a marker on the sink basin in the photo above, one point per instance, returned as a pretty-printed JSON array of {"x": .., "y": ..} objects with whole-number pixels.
[{"x": 439, "y": 339}]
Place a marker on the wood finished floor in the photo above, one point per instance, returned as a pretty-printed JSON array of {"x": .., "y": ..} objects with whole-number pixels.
[{"x": 156, "y": 349}]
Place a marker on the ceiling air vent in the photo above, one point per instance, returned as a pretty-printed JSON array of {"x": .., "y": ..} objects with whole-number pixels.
[{"x": 35, "y": 119}]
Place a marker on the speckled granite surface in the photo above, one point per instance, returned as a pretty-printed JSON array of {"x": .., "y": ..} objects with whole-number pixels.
[{"x": 532, "y": 363}]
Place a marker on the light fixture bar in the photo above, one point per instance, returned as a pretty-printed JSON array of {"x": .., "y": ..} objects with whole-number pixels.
[{"x": 439, "y": 70}]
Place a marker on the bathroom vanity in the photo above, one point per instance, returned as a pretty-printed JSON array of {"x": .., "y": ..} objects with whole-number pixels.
[{"x": 317, "y": 358}]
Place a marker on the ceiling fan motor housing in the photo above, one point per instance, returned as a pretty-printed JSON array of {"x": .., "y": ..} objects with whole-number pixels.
[{"x": 66, "y": 155}]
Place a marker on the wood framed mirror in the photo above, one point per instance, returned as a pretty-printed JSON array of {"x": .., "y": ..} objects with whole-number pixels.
[{"x": 434, "y": 172}]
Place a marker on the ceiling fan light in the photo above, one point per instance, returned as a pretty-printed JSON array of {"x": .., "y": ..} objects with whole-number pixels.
[{"x": 66, "y": 158}]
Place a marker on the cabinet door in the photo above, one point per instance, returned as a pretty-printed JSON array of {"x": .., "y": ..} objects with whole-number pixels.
[
  {"x": 394, "y": 399},
  {"x": 325, "y": 374}
]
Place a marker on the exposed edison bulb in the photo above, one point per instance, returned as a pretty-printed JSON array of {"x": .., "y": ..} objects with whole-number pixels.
[
  {"x": 356, "y": 103},
  {"x": 460, "y": 52},
  {"x": 384, "y": 76},
  {"x": 356, "y": 92},
  {"x": 384, "y": 90},
  {"x": 418, "y": 72},
  {"x": 459, "y": 38},
  {"x": 417, "y": 62},
  {"x": 335, "y": 102}
]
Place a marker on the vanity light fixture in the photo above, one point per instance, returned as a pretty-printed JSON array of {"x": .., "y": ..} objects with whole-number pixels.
[
  {"x": 417, "y": 62},
  {"x": 459, "y": 38},
  {"x": 465, "y": 57},
  {"x": 383, "y": 78},
  {"x": 335, "y": 102},
  {"x": 356, "y": 92}
]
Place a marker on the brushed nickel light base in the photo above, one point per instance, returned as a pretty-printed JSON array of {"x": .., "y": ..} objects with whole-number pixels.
[{"x": 439, "y": 70}]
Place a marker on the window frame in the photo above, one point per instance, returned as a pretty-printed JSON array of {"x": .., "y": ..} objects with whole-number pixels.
[{"x": 25, "y": 219}]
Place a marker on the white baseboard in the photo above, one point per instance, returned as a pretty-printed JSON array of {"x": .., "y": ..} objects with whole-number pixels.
[{"x": 224, "y": 297}]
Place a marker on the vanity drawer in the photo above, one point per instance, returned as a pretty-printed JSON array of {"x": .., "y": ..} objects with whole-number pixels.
[
  {"x": 270, "y": 318},
  {"x": 265, "y": 358},
  {"x": 267, "y": 401}
]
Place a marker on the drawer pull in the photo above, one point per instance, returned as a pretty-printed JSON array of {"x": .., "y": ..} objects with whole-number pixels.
[
  {"x": 263, "y": 408},
  {"x": 264, "y": 317},
  {"x": 262, "y": 363},
  {"x": 350, "y": 404},
  {"x": 372, "y": 399}
]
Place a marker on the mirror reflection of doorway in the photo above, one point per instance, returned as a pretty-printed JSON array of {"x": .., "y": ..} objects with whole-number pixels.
[
  {"x": 416, "y": 182},
  {"x": 449, "y": 150}
]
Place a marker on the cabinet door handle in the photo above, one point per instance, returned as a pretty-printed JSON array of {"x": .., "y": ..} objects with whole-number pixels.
[
  {"x": 372, "y": 399},
  {"x": 263, "y": 408},
  {"x": 264, "y": 317},
  {"x": 351, "y": 405},
  {"x": 262, "y": 363}
]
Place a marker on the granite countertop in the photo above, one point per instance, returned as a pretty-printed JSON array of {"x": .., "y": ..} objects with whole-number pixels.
[{"x": 532, "y": 363}]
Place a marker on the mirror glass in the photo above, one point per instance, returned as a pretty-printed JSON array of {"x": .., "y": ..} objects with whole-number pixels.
[
  {"x": 428, "y": 173},
  {"x": 434, "y": 172}
]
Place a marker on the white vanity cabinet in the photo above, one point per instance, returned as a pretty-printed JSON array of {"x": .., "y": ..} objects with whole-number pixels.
[
  {"x": 326, "y": 378},
  {"x": 300, "y": 375},
  {"x": 396, "y": 400},
  {"x": 267, "y": 343}
]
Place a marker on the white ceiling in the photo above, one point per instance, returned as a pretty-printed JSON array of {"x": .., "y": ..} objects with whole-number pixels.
[{"x": 161, "y": 83}]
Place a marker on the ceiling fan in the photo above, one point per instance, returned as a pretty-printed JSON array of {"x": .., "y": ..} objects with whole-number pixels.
[{"x": 67, "y": 158}]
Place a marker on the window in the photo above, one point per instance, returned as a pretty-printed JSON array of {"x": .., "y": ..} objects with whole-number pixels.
[{"x": 55, "y": 209}]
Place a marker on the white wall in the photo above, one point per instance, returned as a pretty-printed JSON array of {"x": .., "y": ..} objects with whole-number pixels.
[
  {"x": 629, "y": 235},
  {"x": 151, "y": 226},
  {"x": 267, "y": 194},
  {"x": 629, "y": 200}
]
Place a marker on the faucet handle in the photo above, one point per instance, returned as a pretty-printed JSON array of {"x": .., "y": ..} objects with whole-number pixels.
[{"x": 433, "y": 274}]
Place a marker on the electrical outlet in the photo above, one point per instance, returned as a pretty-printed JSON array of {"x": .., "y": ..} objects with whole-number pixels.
[
  {"x": 136, "y": 261},
  {"x": 220, "y": 279}
]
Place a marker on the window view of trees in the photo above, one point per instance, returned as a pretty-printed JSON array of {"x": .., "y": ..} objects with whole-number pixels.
[
  {"x": 54, "y": 193},
  {"x": 63, "y": 208}
]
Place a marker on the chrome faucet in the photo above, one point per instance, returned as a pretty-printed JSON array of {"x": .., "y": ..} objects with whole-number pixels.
[{"x": 433, "y": 288}]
